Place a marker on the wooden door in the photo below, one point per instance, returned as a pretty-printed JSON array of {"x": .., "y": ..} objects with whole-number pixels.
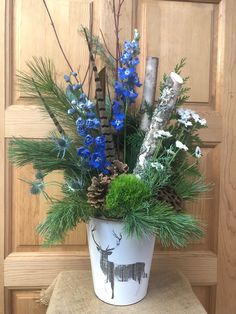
[{"x": 202, "y": 31}]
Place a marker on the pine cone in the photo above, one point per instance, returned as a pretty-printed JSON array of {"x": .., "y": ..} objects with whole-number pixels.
[
  {"x": 169, "y": 195},
  {"x": 99, "y": 186},
  {"x": 118, "y": 167}
]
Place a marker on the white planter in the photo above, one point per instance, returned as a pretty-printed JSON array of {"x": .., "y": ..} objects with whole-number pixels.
[{"x": 120, "y": 265}]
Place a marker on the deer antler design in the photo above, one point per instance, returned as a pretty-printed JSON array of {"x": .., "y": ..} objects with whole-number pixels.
[
  {"x": 92, "y": 230},
  {"x": 118, "y": 238}
]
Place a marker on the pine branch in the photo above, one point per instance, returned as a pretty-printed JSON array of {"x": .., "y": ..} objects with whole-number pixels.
[
  {"x": 179, "y": 67},
  {"x": 42, "y": 79},
  {"x": 172, "y": 229},
  {"x": 43, "y": 155},
  {"x": 63, "y": 216},
  {"x": 134, "y": 143},
  {"x": 189, "y": 189},
  {"x": 183, "y": 96}
]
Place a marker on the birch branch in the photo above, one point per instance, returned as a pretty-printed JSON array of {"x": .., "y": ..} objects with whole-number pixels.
[
  {"x": 161, "y": 117},
  {"x": 149, "y": 91}
]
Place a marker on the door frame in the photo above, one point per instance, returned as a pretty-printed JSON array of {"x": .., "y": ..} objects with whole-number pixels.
[
  {"x": 2, "y": 149},
  {"x": 226, "y": 251}
]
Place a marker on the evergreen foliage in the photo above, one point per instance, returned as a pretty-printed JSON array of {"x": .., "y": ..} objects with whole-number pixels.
[
  {"x": 183, "y": 97},
  {"x": 42, "y": 77},
  {"x": 43, "y": 154},
  {"x": 134, "y": 143},
  {"x": 159, "y": 219},
  {"x": 63, "y": 216}
]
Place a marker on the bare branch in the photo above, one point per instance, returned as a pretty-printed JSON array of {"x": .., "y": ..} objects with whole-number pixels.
[
  {"x": 105, "y": 44},
  {"x": 57, "y": 37}
]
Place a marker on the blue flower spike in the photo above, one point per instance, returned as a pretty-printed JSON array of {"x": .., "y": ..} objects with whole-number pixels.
[
  {"x": 127, "y": 81},
  {"x": 88, "y": 127}
]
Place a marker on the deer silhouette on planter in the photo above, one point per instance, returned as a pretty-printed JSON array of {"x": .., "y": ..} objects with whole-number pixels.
[{"x": 121, "y": 272}]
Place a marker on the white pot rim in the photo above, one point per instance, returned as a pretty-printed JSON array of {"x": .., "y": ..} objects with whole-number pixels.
[{"x": 107, "y": 219}]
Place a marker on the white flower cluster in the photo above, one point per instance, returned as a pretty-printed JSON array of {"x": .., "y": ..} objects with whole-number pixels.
[
  {"x": 186, "y": 115},
  {"x": 157, "y": 165},
  {"x": 162, "y": 134},
  {"x": 180, "y": 145},
  {"x": 198, "y": 152}
]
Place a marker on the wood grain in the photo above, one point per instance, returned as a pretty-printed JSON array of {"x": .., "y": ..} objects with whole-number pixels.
[
  {"x": 199, "y": 1},
  {"x": 32, "y": 210},
  {"x": 26, "y": 302},
  {"x": 68, "y": 16},
  {"x": 203, "y": 294},
  {"x": 158, "y": 38},
  {"x": 2, "y": 150},
  {"x": 226, "y": 287},
  {"x": 39, "y": 269},
  {"x": 30, "y": 122},
  {"x": 2, "y": 153}
]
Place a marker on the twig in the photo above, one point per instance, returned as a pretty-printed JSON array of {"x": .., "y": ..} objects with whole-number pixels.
[
  {"x": 117, "y": 37},
  {"x": 116, "y": 17},
  {"x": 91, "y": 32},
  {"x": 105, "y": 44},
  {"x": 86, "y": 74},
  {"x": 90, "y": 79},
  {"x": 57, "y": 37}
]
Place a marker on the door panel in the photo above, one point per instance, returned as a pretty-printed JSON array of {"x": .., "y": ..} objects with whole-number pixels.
[
  {"x": 162, "y": 22},
  {"x": 25, "y": 302},
  {"x": 170, "y": 30}
]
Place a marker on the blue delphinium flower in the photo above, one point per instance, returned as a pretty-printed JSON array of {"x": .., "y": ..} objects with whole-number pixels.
[
  {"x": 89, "y": 123},
  {"x": 117, "y": 124},
  {"x": 99, "y": 162},
  {"x": 127, "y": 81},
  {"x": 74, "y": 74},
  {"x": 100, "y": 142},
  {"x": 83, "y": 152},
  {"x": 90, "y": 105},
  {"x": 67, "y": 78},
  {"x": 91, "y": 115},
  {"x": 80, "y": 122},
  {"x": 71, "y": 111},
  {"x": 76, "y": 86},
  {"x": 126, "y": 73},
  {"x": 88, "y": 140}
]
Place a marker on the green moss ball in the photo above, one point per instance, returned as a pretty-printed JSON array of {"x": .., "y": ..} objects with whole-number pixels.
[{"x": 125, "y": 193}]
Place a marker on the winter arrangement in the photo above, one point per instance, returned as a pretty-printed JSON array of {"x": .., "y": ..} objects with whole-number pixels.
[{"x": 127, "y": 164}]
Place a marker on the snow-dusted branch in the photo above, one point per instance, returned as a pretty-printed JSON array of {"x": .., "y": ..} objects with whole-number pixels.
[
  {"x": 149, "y": 91},
  {"x": 160, "y": 118}
]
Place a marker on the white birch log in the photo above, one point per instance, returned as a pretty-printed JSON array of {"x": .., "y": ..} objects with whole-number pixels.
[
  {"x": 161, "y": 116},
  {"x": 149, "y": 90}
]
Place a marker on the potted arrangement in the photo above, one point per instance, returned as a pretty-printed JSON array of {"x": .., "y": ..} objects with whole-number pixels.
[{"x": 127, "y": 169}]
